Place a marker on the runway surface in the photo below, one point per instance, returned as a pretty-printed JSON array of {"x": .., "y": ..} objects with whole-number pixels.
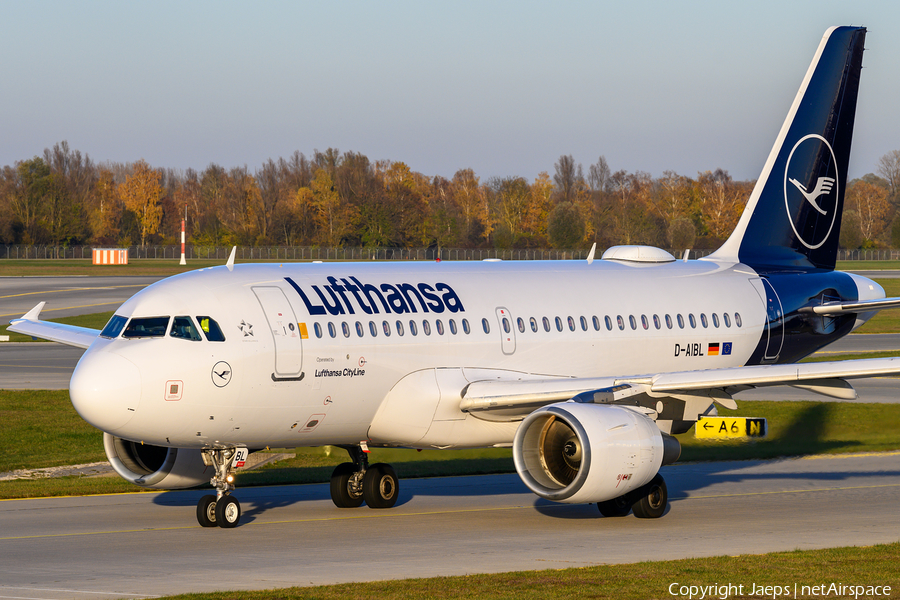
[
  {"x": 67, "y": 296},
  {"x": 135, "y": 545}
]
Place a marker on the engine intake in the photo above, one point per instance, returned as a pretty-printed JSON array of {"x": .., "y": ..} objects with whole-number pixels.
[
  {"x": 156, "y": 467},
  {"x": 573, "y": 452}
]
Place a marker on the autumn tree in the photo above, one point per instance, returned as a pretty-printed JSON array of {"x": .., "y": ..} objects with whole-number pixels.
[
  {"x": 334, "y": 218},
  {"x": 537, "y": 212},
  {"x": 443, "y": 214},
  {"x": 721, "y": 202},
  {"x": 141, "y": 194},
  {"x": 870, "y": 202},
  {"x": 566, "y": 225},
  {"x": 889, "y": 168},
  {"x": 240, "y": 207},
  {"x": 33, "y": 181},
  {"x": 511, "y": 198},
  {"x": 107, "y": 209},
  {"x": 568, "y": 178},
  {"x": 469, "y": 196}
]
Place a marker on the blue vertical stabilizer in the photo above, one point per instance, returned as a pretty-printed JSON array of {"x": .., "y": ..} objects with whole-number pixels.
[{"x": 793, "y": 217}]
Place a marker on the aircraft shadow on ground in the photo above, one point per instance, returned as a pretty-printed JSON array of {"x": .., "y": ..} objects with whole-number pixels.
[{"x": 682, "y": 480}]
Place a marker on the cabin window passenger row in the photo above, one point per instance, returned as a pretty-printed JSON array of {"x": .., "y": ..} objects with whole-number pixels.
[{"x": 183, "y": 327}]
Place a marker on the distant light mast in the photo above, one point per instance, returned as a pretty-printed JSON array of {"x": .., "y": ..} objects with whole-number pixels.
[{"x": 182, "y": 244}]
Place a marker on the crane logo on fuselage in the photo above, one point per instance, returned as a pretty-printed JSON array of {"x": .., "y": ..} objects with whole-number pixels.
[{"x": 346, "y": 295}]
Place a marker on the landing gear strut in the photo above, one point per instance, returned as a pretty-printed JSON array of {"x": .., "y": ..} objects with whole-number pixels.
[
  {"x": 220, "y": 509},
  {"x": 647, "y": 502},
  {"x": 353, "y": 483}
]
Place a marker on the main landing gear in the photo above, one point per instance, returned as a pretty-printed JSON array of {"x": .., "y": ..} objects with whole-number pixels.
[
  {"x": 647, "y": 502},
  {"x": 220, "y": 509},
  {"x": 353, "y": 483}
]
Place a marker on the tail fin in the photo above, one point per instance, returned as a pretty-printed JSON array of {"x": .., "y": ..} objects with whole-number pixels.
[{"x": 793, "y": 217}]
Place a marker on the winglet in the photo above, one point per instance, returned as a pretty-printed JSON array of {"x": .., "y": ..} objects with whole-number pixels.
[
  {"x": 230, "y": 263},
  {"x": 590, "y": 258},
  {"x": 35, "y": 313}
]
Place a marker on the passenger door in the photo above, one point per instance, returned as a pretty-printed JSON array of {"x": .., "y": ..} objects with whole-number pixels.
[{"x": 285, "y": 331}]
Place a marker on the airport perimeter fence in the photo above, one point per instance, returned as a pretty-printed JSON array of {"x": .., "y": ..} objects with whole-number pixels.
[{"x": 307, "y": 253}]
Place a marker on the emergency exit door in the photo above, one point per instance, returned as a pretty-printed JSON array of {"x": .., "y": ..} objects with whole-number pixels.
[{"x": 507, "y": 331}]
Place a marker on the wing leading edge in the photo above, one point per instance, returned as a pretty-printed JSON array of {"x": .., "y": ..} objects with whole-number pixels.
[
  {"x": 70, "y": 335},
  {"x": 716, "y": 385}
]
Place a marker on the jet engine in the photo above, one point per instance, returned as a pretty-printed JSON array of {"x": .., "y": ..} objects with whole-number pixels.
[
  {"x": 579, "y": 452},
  {"x": 156, "y": 467}
]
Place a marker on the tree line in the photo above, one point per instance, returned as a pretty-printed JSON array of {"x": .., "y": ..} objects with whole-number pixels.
[{"x": 332, "y": 199}]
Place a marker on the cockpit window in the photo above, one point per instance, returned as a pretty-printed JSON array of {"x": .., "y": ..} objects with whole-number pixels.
[
  {"x": 183, "y": 328},
  {"x": 146, "y": 327},
  {"x": 114, "y": 327},
  {"x": 211, "y": 329}
]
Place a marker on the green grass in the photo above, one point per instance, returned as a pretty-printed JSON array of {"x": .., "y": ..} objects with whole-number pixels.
[
  {"x": 41, "y": 429},
  {"x": 800, "y": 428},
  {"x": 868, "y": 265},
  {"x": 885, "y": 321},
  {"x": 867, "y": 566}
]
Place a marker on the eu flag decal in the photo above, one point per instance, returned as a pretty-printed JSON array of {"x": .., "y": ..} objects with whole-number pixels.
[
  {"x": 726, "y": 348},
  {"x": 713, "y": 349}
]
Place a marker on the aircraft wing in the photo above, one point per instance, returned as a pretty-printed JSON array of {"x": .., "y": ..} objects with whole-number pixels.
[
  {"x": 70, "y": 335},
  {"x": 828, "y": 378}
]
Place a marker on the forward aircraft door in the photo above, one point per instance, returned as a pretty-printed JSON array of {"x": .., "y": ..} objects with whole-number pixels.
[
  {"x": 284, "y": 329},
  {"x": 507, "y": 333}
]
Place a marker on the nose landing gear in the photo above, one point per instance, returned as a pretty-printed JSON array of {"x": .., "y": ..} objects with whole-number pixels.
[
  {"x": 353, "y": 483},
  {"x": 220, "y": 509}
]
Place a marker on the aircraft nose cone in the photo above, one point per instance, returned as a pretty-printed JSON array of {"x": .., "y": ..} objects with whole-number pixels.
[{"x": 105, "y": 390}]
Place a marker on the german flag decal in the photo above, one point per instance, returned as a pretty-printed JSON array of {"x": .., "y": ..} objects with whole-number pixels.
[{"x": 713, "y": 349}]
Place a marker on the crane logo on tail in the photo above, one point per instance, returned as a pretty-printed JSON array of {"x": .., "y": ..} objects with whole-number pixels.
[
  {"x": 812, "y": 171},
  {"x": 823, "y": 186}
]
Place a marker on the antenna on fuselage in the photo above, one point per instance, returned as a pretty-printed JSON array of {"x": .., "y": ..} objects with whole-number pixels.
[
  {"x": 593, "y": 251},
  {"x": 230, "y": 263}
]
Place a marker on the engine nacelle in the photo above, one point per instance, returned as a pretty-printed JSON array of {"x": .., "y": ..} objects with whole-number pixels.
[
  {"x": 573, "y": 452},
  {"x": 156, "y": 467}
]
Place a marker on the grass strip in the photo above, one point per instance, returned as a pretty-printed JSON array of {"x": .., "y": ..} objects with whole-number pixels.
[
  {"x": 41, "y": 429},
  {"x": 851, "y": 566}
]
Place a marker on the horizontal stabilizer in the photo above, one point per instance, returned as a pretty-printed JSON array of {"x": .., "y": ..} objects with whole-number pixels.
[{"x": 832, "y": 309}]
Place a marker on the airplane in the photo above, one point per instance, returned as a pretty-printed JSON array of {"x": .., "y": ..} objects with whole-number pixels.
[{"x": 587, "y": 369}]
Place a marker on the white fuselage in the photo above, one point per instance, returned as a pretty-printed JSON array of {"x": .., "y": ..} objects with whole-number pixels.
[{"x": 290, "y": 383}]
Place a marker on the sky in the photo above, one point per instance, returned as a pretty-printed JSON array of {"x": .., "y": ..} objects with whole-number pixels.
[{"x": 503, "y": 88}]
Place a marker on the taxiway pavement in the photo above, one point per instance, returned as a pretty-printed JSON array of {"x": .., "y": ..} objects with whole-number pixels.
[
  {"x": 67, "y": 296},
  {"x": 137, "y": 545}
]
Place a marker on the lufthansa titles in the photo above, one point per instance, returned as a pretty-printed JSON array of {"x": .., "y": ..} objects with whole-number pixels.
[{"x": 348, "y": 294}]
